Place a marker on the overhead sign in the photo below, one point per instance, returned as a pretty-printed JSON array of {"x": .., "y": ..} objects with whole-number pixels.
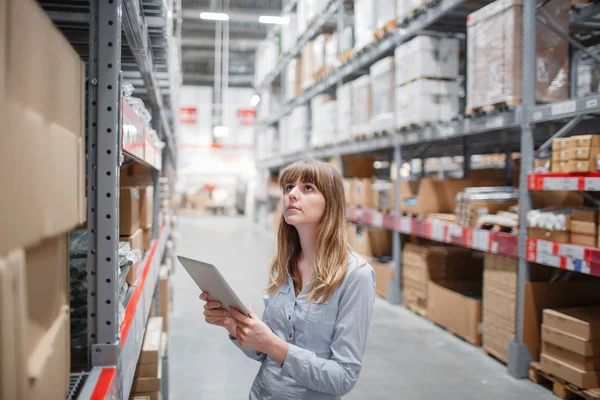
[{"x": 187, "y": 115}]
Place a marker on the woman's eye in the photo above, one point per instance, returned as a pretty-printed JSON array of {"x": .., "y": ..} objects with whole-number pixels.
[
  {"x": 288, "y": 188},
  {"x": 308, "y": 188}
]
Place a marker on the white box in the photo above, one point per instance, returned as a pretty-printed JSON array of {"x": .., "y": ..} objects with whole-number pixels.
[
  {"x": 331, "y": 52},
  {"x": 427, "y": 57},
  {"x": 382, "y": 94},
  {"x": 289, "y": 33},
  {"x": 385, "y": 12},
  {"x": 361, "y": 105},
  {"x": 424, "y": 101},
  {"x": 364, "y": 22},
  {"x": 344, "y": 112}
]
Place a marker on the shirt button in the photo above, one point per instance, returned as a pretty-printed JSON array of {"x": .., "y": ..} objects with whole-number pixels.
[
  {"x": 290, "y": 335},
  {"x": 290, "y": 317}
]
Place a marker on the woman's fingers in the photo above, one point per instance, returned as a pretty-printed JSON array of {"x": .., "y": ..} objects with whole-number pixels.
[
  {"x": 204, "y": 296},
  {"x": 211, "y": 305},
  {"x": 219, "y": 312},
  {"x": 238, "y": 316}
]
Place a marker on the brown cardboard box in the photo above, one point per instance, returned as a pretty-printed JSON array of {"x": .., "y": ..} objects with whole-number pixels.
[
  {"x": 361, "y": 192},
  {"x": 582, "y": 379},
  {"x": 135, "y": 174},
  {"x": 13, "y": 325},
  {"x": 584, "y": 227},
  {"x": 370, "y": 242},
  {"x": 383, "y": 195},
  {"x": 585, "y": 363},
  {"x": 585, "y": 141},
  {"x": 43, "y": 115},
  {"x": 136, "y": 240},
  {"x": 146, "y": 202},
  {"x": 562, "y": 143},
  {"x": 348, "y": 191},
  {"x": 47, "y": 285},
  {"x": 164, "y": 288},
  {"x": 580, "y": 166},
  {"x": 570, "y": 342},
  {"x": 561, "y": 155},
  {"x": 151, "y": 347},
  {"x": 146, "y": 370},
  {"x": 584, "y": 153},
  {"x": 455, "y": 311},
  {"x": 545, "y": 234},
  {"x": 584, "y": 240},
  {"x": 583, "y": 322},
  {"x": 585, "y": 214},
  {"x": 560, "y": 166},
  {"x": 129, "y": 211},
  {"x": 50, "y": 362},
  {"x": 384, "y": 274},
  {"x": 359, "y": 166},
  {"x": 148, "y": 384},
  {"x": 147, "y": 239},
  {"x": 150, "y": 395}
]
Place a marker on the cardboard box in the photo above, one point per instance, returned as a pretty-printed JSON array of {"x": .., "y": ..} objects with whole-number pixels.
[
  {"x": 152, "y": 341},
  {"x": 583, "y": 322},
  {"x": 43, "y": 115},
  {"x": 584, "y": 214},
  {"x": 561, "y": 155},
  {"x": 146, "y": 203},
  {"x": 384, "y": 275},
  {"x": 50, "y": 362},
  {"x": 562, "y": 143},
  {"x": 584, "y": 153},
  {"x": 148, "y": 384},
  {"x": 585, "y": 141},
  {"x": 361, "y": 192},
  {"x": 585, "y": 363},
  {"x": 579, "y": 378},
  {"x": 47, "y": 286},
  {"x": 370, "y": 242},
  {"x": 570, "y": 342},
  {"x": 560, "y": 166},
  {"x": 150, "y": 395},
  {"x": 545, "y": 234},
  {"x": 450, "y": 306},
  {"x": 165, "y": 291},
  {"x": 146, "y": 370},
  {"x": 136, "y": 240},
  {"x": 129, "y": 211},
  {"x": 133, "y": 273},
  {"x": 584, "y": 240},
  {"x": 13, "y": 326},
  {"x": 348, "y": 190},
  {"x": 383, "y": 195},
  {"x": 580, "y": 166},
  {"x": 146, "y": 239}
]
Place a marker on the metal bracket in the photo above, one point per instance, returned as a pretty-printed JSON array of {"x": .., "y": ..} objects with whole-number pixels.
[
  {"x": 569, "y": 126},
  {"x": 105, "y": 355}
]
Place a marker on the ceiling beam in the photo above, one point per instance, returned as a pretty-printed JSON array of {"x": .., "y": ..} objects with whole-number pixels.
[
  {"x": 234, "y": 44},
  {"x": 193, "y": 55},
  {"x": 208, "y": 78},
  {"x": 234, "y": 16}
]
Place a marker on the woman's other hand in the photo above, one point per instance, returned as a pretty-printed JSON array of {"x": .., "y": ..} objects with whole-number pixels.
[
  {"x": 214, "y": 314},
  {"x": 252, "y": 333}
]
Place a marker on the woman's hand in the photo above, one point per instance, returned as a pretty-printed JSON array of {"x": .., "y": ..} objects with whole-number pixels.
[
  {"x": 214, "y": 314},
  {"x": 252, "y": 333}
]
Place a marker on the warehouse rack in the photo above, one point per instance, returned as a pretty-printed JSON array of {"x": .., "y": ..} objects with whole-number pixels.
[
  {"x": 522, "y": 128},
  {"x": 149, "y": 59}
]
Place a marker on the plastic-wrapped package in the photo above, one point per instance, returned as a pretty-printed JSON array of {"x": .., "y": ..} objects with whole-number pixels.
[
  {"x": 361, "y": 105},
  {"x": 549, "y": 218},
  {"x": 289, "y": 33},
  {"x": 123, "y": 286},
  {"x": 322, "y": 114},
  {"x": 385, "y": 12},
  {"x": 308, "y": 66},
  {"x": 424, "y": 101},
  {"x": 331, "y": 52},
  {"x": 364, "y": 22},
  {"x": 382, "y": 89},
  {"x": 127, "y": 89},
  {"x": 428, "y": 57},
  {"x": 318, "y": 47},
  {"x": 128, "y": 257},
  {"x": 78, "y": 243},
  {"x": 293, "y": 79},
  {"x": 297, "y": 137},
  {"x": 494, "y": 43},
  {"x": 121, "y": 313},
  {"x": 344, "y": 111},
  {"x": 346, "y": 39}
]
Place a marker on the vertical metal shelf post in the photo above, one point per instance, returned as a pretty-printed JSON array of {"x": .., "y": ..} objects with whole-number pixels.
[
  {"x": 103, "y": 213},
  {"x": 394, "y": 287},
  {"x": 519, "y": 356}
]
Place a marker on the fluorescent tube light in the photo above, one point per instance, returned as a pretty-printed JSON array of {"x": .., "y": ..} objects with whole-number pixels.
[
  {"x": 269, "y": 19},
  {"x": 255, "y": 100},
  {"x": 214, "y": 16}
]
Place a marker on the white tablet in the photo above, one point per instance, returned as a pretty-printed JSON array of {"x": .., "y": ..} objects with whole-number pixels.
[{"x": 209, "y": 279}]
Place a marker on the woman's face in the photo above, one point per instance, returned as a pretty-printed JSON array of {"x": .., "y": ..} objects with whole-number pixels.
[{"x": 303, "y": 204}]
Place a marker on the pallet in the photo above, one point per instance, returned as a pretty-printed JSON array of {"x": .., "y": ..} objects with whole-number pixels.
[
  {"x": 345, "y": 56},
  {"x": 323, "y": 72},
  {"x": 417, "y": 310},
  {"x": 384, "y": 30},
  {"x": 495, "y": 356},
  {"x": 414, "y": 214},
  {"x": 560, "y": 387},
  {"x": 495, "y": 107}
]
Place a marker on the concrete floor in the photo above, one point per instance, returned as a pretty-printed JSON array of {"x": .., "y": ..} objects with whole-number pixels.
[{"x": 407, "y": 357}]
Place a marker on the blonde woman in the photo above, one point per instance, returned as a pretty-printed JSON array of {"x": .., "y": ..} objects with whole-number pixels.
[{"x": 313, "y": 333}]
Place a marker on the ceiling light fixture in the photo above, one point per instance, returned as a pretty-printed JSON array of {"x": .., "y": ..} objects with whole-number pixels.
[
  {"x": 255, "y": 100},
  {"x": 211, "y": 16},
  {"x": 269, "y": 19},
  {"x": 220, "y": 131}
]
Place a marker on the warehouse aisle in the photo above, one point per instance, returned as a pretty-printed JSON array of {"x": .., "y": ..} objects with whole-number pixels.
[{"x": 407, "y": 357}]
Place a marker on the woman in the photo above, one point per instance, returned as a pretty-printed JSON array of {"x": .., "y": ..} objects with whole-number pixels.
[{"x": 319, "y": 302}]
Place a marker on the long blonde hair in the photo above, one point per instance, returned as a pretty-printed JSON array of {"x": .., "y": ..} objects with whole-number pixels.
[{"x": 331, "y": 264}]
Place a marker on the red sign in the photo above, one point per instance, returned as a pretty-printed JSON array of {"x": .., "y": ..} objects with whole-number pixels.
[
  {"x": 246, "y": 116},
  {"x": 187, "y": 115}
]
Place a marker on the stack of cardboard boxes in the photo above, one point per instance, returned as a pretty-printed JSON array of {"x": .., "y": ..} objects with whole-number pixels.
[
  {"x": 361, "y": 105},
  {"x": 575, "y": 154},
  {"x": 499, "y": 304},
  {"x": 42, "y": 164},
  {"x": 571, "y": 345},
  {"x": 422, "y": 264},
  {"x": 382, "y": 87},
  {"x": 148, "y": 380},
  {"x": 584, "y": 227}
]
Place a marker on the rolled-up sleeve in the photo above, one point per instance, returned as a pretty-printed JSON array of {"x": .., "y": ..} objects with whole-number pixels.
[{"x": 339, "y": 374}]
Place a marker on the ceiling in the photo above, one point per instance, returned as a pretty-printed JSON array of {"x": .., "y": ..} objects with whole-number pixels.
[{"x": 245, "y": 34}]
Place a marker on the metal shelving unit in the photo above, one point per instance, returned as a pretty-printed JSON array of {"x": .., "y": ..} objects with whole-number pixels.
[
  {"x": 521, "y": 128},
  {"x": 120, "y": 40}
]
